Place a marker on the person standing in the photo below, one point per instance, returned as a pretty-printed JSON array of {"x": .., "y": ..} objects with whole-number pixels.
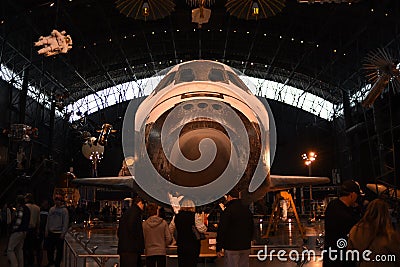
[
  {"x": 44, "y": 213},
  {"x": 375, "y": 233},
  {"x": 130, "y": 235},
  {"x": 156, "y": 238},
  {"x": 6, "y": 220},
  {"x": 188, "y": 247},
  {"x": 235, "y": 232},
  {"x": 340, "y": 217},
  {"x": 31, "y": 239},
  {"x": 18, "y": 232},
  {"x": 56, "y": 228}
]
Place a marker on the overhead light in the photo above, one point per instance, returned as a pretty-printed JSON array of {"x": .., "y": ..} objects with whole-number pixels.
[
  {"x": 255, "y": 9},
  {"x": 145, "y": 9}
]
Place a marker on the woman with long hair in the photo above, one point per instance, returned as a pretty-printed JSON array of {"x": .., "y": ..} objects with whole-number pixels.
[
  {"x": 374, "y": 232},
  {"x": 188, "y": 247}
]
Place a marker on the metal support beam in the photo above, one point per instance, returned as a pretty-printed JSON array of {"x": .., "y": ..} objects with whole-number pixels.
[
  {"x": 23, "y": 95},
  {"x": 51, "y": 129}
]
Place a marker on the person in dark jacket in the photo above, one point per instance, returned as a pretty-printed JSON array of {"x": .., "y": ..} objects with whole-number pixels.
[
  {"x": 20, "y": 226},
  {"x": 44, "y": 212},
  {"x": 235, "y": 232},
  {"x": 188, "y": 247},
  {"x": 340, "y": 217},
  {"x": 31, "y": 239},
  {"x": 156, "y": 238},
  {"x": 130, "y": 235}
]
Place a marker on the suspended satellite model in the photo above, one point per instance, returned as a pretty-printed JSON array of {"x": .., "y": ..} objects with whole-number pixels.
[
  {"x": 201, "y": 15},
  {"x": 381, "y": 69}
]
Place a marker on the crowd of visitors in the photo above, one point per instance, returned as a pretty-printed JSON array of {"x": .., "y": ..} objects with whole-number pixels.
[{"x": 32, "y": 229}]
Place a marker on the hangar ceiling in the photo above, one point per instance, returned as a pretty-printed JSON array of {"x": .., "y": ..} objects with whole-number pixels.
[{"x": 316, "y": 47}]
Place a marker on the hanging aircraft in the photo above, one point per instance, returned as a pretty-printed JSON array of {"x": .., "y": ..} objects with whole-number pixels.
[
  {"x": 382, "y": 68},
  {"x": 200, "y": 133}
]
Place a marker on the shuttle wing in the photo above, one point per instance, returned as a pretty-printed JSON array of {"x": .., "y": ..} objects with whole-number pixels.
[
  {"x": 123, "y": 182},
  {"x": 278, "y": 182},
  {"x": 282, "y": 182}
]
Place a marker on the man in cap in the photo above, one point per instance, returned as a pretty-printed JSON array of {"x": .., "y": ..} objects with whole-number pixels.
[
  {"x": 235, "y": 232},
  {"x": 340, "y": 217}
]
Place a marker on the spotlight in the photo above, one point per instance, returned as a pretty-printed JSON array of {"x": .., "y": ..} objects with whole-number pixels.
[
  {"x": 146, "y": 9},
  {"x": 255, "y": 9}
]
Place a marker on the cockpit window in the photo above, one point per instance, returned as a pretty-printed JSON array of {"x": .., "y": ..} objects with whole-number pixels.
[
  {"x": 185, "y": 75},
  {"x": 216, "y": 75},
  {"x": 166, "y": 81},
  {"x": 233, "y": 78},
  {"x": 206, "y": 71}
]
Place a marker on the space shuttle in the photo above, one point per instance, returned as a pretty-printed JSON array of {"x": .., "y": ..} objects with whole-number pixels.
[{"x": 199, "y": 134}]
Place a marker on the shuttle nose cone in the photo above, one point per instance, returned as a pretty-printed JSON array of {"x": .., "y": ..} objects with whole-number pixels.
[
  {"x": 203, "y": 145},
  {"x": 198, "y": 142}
]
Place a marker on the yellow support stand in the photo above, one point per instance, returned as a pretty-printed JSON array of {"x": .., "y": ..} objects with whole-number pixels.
[{"x": 274, "y": 219}]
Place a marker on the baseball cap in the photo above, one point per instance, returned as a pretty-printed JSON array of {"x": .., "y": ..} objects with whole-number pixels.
[{"x": 351, "y": 186}]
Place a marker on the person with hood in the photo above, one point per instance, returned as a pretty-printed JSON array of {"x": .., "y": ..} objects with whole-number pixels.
[
  {"x": 156, "y": 238},
  {"x": 56, "y": 229}
]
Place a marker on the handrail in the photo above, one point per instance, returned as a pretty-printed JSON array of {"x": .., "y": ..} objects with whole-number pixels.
[{"x": 100, "y": 259}]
